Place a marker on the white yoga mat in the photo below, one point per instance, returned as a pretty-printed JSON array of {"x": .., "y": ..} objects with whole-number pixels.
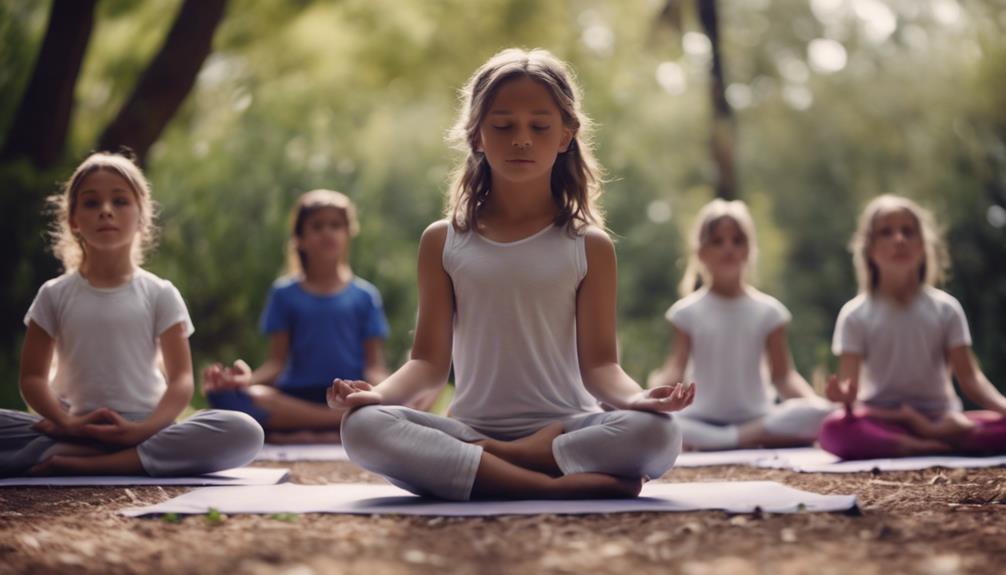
[
  {"x": 369, "y": 499},
  {"x": 256, "y": 476},
  {"x": 730, "y": 457},
  {"x": 327, "y": 452},
  {"x": 811, "y": 460}
]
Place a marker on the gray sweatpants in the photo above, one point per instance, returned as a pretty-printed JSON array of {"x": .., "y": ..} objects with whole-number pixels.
[
  {"x": 208, "y": 441},
  {"x": 429, "y": 454},
  {"x": 798, "y": 419}
]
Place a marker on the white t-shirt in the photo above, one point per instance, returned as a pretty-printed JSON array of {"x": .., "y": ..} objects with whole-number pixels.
[
  {"x": 107, "y": 339},
  {"x": 515, "y": 355},
  {"x": 904, "y": 348},
  {"x": 727, "y": 361}
]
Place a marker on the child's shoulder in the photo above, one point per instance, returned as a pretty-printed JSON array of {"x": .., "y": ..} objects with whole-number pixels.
[
  {"x": 60, "y": 282},
  {"x": 937, "y": 295},
  {"x": 145, "y": 277},
  {"x": 689, "y": 301},
  {"x": 285, "y": 283},
  {"x": 361, "y": 285},
  {"x": 594, "y": 233},
  {"x": 762, "y": 298},
  {"x": 942, "y": 300},
  {"x": 861, "y": 301},
  {"x": 154, "y": 287},
  {"x": 436, "y": 235}
]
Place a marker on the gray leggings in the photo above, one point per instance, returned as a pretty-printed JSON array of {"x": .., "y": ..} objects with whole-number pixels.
[
  {"x": 433, "y": 455},
  {"x": 798, "y": 418},
  {"x": 206, "y": 442}
]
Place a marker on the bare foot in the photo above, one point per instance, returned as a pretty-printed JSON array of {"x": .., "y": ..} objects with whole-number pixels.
[
  {"x": 124, "y": 462},
  {"x": 594, "y": 486},
  {"x": 303, "y": 437},
  {"x": 953, "y": 426},
  {"x": 909, "y": 445},
  {"x": 76, "y": 449},
  {"x": 63, "y": 465},
  {"x": 533, "y": 452}
]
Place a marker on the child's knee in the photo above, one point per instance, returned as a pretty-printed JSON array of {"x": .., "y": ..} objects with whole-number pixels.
[
  {"x": 363, "y": 425},
  {"x": 657, "y": 433},
  {"x": 849, "y": 437},
  {"x": 243, "y": 430},
  {"x": 799, "y": 419},
  {"x": 241, "y": 437}
]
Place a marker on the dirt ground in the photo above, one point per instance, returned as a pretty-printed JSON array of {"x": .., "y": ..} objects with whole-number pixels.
[{"x": 935, "y": 522}]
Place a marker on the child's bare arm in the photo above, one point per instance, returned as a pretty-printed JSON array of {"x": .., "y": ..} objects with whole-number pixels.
[
  {"x": 785, "y": 378},
  {"x": 972, "y": 380},
  {"x": 596, "y": 338},
  {"x": 844, "y": 387},
  {"x": 673, "y": 370},
  {"x": 239, "y": 375},
  {"x": 430, "y": 362},
  {"x": 36, "y": 359},
  {"x": 279, "y": 349},
  {"x": 375, "y": 370}
]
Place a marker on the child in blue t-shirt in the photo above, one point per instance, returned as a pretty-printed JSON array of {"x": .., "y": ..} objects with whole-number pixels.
[{"x": 323, "y": 323}]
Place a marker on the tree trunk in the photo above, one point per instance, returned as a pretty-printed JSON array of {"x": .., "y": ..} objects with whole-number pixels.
[
  {"x": 724, "y": 130},
  {"x": 167, "y": 80},
  {"x": 43, "y": 118}
]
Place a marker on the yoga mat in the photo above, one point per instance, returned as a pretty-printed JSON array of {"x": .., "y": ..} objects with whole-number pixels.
[
  {"x": 327, "y": 452},
  {"x": 729, "y": 457},
  {"x": 811, "y": 460},
  {"x": 382, "y": 499},
  {"x": 256, "y": 476}
]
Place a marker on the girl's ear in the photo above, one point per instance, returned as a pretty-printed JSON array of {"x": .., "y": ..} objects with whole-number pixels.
[{"x": 567, "y": 138}]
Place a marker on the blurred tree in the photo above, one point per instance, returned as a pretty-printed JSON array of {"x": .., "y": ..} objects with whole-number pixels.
[
  {"x": 167, "y": 80},
  {"x": 43, "y": 117},
  {"x": 723, "y": 127}
]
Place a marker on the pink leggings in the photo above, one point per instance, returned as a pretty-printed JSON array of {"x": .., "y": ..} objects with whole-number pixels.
[{"x": 862, "y": 437}]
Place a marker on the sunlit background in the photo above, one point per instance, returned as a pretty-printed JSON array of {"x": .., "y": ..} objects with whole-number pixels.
[{"x": 829, "y": 102}]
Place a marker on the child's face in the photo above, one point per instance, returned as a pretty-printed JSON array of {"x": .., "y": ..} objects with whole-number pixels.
[
  {"x": 896, "y": 244},
  {"x": 106, "y": 214},
  {"x": 725, "y": 253},
  {"x": 325, "y": 235},
  {"x": 523, "y": 132}
]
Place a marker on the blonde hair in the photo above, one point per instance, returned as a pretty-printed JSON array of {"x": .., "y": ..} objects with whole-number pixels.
[
  {"x": 70, "y": 248},
  {"x": 936, "y": 262},
  {"x": 696, "y": 274},
  {"x": 308, "y": 204},
  {"x": 576, "y": 175}
]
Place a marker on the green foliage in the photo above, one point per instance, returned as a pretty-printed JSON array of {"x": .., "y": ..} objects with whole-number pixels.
[
  {"x": 214, "y": 517},
  {"x": 171, "y": 518},
  {"x": 357, "y": 96}
]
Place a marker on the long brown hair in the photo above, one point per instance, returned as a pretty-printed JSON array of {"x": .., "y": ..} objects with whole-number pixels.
[
  {"x": 70, "y": 248},
  {"x": 576, "y": 175}
]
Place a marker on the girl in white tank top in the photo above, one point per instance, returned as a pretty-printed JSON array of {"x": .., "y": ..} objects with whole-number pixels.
[{"x": 518, "y": 288}]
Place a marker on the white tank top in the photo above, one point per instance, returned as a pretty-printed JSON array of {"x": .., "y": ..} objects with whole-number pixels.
[{"x": 515, "y": 355}]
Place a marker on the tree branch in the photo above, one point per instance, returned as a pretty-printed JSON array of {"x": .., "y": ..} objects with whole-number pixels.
[{"x": 167, "y": 80}]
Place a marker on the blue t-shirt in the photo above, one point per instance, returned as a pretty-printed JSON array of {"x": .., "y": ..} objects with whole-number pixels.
[{"x": 326, "y": 331}]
